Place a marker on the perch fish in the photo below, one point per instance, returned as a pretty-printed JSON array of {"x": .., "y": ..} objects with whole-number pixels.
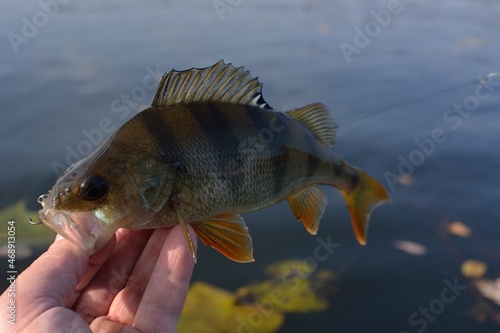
[{"x": 207, "y": 150}]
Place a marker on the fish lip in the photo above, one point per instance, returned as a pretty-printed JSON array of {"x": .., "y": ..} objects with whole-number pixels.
[
  {"x": 62, "y": 223},
  {"x": 84, "y": 229}
]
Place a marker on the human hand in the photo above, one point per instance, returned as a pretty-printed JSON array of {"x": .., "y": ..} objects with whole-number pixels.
[{"x": 137, "y": 283}]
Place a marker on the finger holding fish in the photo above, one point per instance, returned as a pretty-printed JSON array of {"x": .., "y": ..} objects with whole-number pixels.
[
  {"x": 96, "y": 298},
  {"x": 134, "y": 299}
]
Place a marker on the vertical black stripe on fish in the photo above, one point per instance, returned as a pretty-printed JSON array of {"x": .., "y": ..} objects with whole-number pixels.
[
  {"x": 162, "y": 136},
  {"x": 303, "y": 159},
  {"x": 266, "y": 142},
  {"x": 252, "y": 148},
  {"x": 282, "y": 168},
  {"x": 283, "y": 163},
  {"x": 217, "y": 128},
  {"x": 313, "y": 162}
]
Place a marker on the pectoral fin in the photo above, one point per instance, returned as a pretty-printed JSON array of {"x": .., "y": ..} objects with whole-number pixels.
[
  {"x": 228, "y": 234},
  {"x": 308, "y": 206}
]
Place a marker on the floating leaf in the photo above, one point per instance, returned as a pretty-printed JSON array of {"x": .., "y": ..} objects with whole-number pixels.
[
  {"x": 490, "y": 289},
  {"x": 415, "y": 249},
  {"x": 209, "y": 309},
  {"x": 473, "y": 268},
  {"x": 291, "y": 268},
  {"x": 405, "y": 180},
  {"x": 295, "y": 287},
  {"x": 459, "y": 229}
]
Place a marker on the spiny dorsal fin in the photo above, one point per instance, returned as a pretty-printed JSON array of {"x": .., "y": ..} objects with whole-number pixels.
[
  {"x": 318, "y": 120},
  {"x": 218, "y": 83},
  {"x": 228, "y": 234},
  {"x": 308, "y": 206}
]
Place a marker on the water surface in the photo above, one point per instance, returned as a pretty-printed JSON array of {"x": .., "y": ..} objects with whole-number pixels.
[{"x": 90, "y": 63}]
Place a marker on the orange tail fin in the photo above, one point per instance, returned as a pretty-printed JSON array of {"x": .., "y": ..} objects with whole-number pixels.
[{"x": 361, "y": 200}]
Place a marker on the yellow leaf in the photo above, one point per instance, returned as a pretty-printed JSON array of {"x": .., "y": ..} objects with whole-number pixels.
[
  {"x": 473, "y": 268},
  {"x": 295, "y": 287},
  {"x": 209, "y": 309}
]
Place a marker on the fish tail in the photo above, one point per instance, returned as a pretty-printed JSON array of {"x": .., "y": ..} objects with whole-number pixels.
[{"x": 362, "y": 196}]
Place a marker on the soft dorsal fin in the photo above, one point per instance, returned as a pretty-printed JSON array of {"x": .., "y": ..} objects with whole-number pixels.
[
  {"x": 218, "y": 83},
  {"x": 318, "y": 120}
]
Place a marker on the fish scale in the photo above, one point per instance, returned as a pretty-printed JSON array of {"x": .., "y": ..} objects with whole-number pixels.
[{"x": 208, "y": 149}]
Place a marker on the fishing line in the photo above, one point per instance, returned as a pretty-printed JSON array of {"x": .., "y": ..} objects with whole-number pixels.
[{"x": 418, "y": 99}]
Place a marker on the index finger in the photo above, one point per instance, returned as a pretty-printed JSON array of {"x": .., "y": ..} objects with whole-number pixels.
[{"x": 165, "y": 294}]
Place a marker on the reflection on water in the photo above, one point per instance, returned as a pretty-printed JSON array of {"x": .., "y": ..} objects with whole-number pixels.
[{"x": 85, "y": 68}]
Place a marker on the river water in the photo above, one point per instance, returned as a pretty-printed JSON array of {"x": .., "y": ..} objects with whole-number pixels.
[{"x": 406, "y": 81}]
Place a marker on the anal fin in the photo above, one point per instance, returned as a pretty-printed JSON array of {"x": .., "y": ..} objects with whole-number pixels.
[
  {"x": 228, "y": 234},
  {"x": 308, "y": 206}
]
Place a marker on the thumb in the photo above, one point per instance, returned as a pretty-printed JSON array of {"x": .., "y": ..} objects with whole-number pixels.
[
  {"x": 46, "y": 284},
  {"x": 52, "y": 278}
]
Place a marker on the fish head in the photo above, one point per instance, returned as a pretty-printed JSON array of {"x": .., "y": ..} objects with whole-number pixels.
[{"x": 91, "y": 201}]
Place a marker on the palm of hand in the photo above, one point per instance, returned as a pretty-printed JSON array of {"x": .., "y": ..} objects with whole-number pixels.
[{"x": 136, "y": 283}]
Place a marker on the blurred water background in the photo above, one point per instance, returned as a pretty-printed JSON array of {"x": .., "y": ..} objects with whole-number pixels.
[{"x": 406, "y": 82}]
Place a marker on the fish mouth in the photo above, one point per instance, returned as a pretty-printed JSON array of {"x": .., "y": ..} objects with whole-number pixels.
[
  {"x": 84, "y": 229},
  {"x": 63, "y": 224}
]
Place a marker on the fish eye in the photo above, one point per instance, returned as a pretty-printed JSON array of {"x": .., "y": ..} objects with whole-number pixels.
[{"x": 93, "y": 188}]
